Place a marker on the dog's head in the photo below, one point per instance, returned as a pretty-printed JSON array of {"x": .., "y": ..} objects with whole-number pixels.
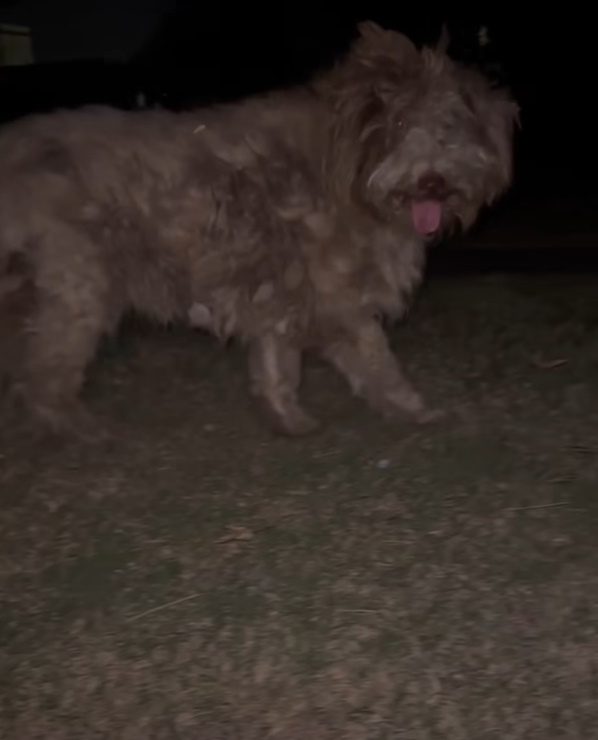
[{"x": 416, "y": 133}]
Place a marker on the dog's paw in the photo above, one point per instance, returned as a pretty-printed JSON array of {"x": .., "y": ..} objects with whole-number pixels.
[
  {"x": 294, "y": 422},
  {"x": 300, "y": 425},
  {"x": 297, "y": 424},
  {"x": 408, "y": 406}
]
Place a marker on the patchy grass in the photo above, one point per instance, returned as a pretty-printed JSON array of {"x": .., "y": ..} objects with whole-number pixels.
[{"x": 203, "y": 579}]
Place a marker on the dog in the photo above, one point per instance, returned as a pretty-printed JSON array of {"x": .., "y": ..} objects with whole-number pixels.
[{"x": 292, "y": 221}]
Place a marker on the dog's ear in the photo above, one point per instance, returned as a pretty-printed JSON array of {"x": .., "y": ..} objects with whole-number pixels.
[
  {"x": 506, "y": 110},
  {"x": 516, "y": 114},
  {"x": 369, "y": 30},
  {"x": 444, "y": 40},
  {"x": 376, "y": 45},
  {"x": 501, "y": 114}
]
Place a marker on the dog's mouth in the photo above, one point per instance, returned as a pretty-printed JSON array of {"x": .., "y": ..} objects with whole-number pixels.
[
  {"x": 426, "y": 216},
  {"x": 427, "y": 203}
]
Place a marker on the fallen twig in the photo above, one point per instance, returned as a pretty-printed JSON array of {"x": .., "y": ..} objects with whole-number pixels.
[
  {"x": 538, "y": 506},
  {"x": 163, "y": 606},
  {"x": 549, "y": 364}
]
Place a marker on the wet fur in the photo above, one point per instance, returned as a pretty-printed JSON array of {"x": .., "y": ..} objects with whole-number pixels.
[{"x": 281, "y": 220}]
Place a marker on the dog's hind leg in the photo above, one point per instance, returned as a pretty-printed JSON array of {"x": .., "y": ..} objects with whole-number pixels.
[
  {"x": 63, "y": 330},
  {"x": 275, "y": 373},
  {"x": 363, "y": 356}
]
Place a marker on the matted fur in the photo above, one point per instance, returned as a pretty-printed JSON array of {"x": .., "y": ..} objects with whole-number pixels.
[{"x": 294, "y": 220}]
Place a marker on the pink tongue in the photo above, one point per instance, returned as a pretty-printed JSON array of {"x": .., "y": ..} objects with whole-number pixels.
[{"x": 426, "y": 216}]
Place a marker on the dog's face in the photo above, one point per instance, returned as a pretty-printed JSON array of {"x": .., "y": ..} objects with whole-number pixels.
[{"x": 435, "y": 138}]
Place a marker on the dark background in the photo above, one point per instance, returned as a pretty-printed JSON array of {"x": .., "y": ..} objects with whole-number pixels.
[{"x": 187, "y": 53}]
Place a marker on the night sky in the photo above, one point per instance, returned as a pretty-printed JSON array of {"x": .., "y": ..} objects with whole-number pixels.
[
  {"x": 118, "y": 29},
  {"x": 184, "y": 53},
  {"x": 80, "y": 29},
  {"x": 226, "y": 48}
]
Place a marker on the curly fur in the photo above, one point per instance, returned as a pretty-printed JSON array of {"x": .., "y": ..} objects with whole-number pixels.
[{"x": 292, "y": 221}]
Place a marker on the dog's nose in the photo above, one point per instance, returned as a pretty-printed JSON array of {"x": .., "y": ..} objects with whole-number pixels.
[{"x": 432, "y": 184}]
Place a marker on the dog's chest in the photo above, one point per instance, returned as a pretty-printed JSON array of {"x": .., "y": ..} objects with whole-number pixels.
[{"x": 392, "y": 263}]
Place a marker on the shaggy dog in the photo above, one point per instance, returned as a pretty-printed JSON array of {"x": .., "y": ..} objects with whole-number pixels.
[{"x": 292, "y": 221}]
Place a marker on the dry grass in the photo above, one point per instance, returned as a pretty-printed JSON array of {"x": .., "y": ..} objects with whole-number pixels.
[{"x": 202, "y": 579}]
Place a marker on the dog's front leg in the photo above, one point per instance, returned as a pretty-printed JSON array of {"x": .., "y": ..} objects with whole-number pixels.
[
  {"x": 362, "y": 354},
  {"x": 275, "y": 373}
]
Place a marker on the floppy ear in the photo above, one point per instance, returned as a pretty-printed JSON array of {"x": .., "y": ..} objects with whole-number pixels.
[
  {"x": 502, "y": 117},
  {"x": 515, "y": 115},
  {"x": 357, "y": 138},
  {"x": 444, "y": 40},
  {"x": 378, "y": 64}
]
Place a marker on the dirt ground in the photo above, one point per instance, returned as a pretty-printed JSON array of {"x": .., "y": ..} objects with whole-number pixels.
[{"x": 202, "y": 579}]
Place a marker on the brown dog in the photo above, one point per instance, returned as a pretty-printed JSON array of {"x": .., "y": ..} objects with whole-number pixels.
[{"x": 291, "y": 221}]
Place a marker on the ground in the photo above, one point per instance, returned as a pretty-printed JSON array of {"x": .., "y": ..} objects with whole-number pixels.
[{"x": 202, "y": 579}]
